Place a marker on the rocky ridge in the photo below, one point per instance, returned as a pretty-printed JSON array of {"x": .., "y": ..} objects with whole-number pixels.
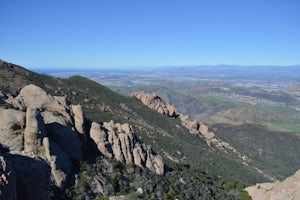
[
  {"x": 195, "y": 127},
  {"x": 45, "y": 136},
  {"x": 156, "y": 103},
  {"x": 289, "y": 189}
]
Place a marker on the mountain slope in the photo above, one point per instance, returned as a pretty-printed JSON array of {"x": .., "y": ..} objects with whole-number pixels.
[
  {"x": 185, "y": 155},
  {"x": 101, "y": 104},
  {"x": 266, "y": 133}
]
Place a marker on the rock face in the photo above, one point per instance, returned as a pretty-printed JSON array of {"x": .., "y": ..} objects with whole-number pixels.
[
  {"x": 156, "y": 103},
  {"x": 32, "y": 96},
  {"x": 8, "y": 183},
  {"x": 79, "y": 120},
  {"x": 60, "y": 163},
  {"x": 289, "y": 189},
  {"x": 34, "y": 132},
  {"x": 11, "y": 129},
  {"x": 118, "y": 141},
  {"x": 44, "y": 127},
  {"x": 32, "y": 175},
  {"x": 45, "y": 136}
]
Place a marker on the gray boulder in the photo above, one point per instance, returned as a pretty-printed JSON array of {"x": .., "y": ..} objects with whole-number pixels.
[
  {"x": 11, "y": 129},
  {"x": 34, "y": 132}
]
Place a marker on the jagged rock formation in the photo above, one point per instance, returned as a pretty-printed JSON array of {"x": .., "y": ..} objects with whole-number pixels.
[
  {"x": 289, "y": 189},
  {"x": 195, "y": 127},
  {"x": 118, "y": 141},
  {"x": 156, "y": 103},
  {"x": 43, "y": 127},
  {"x": 79, "y": 121},
  {"x": 45, "y": 136}
]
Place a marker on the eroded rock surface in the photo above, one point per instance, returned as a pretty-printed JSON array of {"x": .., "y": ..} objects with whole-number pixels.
[
  {"x": 12, "y": 124},
  {"x": 118, "y": 141},
  {"x": 43, "y": 126},
  {"x": 155, "y": 102},
  {"x": 289, "y": 189},
  {"x": 79, "y": 120},
  {"x": 195, "y": 127},
  {"x": 34, "y": 132},
  {"x": 32, "y": 96},
  {"x": 43, "y": 136}
]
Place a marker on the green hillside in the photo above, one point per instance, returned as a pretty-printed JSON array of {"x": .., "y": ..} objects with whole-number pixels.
[
  {"x": 185, "y": 155},
  {"x": 269, "y": 125}
]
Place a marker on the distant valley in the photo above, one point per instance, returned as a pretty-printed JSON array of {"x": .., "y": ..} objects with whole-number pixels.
[{"x": 216, "y": 94}]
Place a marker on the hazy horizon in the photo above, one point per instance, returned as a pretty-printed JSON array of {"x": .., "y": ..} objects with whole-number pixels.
[{"x": 118, "y": 34}]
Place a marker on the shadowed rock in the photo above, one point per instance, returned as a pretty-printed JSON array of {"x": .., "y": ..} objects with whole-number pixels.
[
  {"x": 60, "y": 163},
  {"x": 34, "y": 132},
  {"x": 32, "y": 175},
  {"x": 8, "y": 182}
]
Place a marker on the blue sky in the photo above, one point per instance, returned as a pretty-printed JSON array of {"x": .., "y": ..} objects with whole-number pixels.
[{"x": 128, "y": 33}]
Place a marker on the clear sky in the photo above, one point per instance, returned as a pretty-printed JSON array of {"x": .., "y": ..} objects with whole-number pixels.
[{"x": 132, "y": 33}]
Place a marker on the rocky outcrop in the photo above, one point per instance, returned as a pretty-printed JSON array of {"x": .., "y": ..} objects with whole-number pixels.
[
  {"x": 195, "y": 127},
  {"x": 12, "y": 124},
  {"x": 32, "y": 96},
  {"x": 8, "y": 182},
  {"x": 156, "y": 103},
  {"x": 45, "y": 127},
  {"x": 289, "y": 189},
  {"x": 34, "y": 132},
  {"x": 45, "y": 136},
  {"x": 79, "y": 120},
  {"x": 119, "y": 141}
]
